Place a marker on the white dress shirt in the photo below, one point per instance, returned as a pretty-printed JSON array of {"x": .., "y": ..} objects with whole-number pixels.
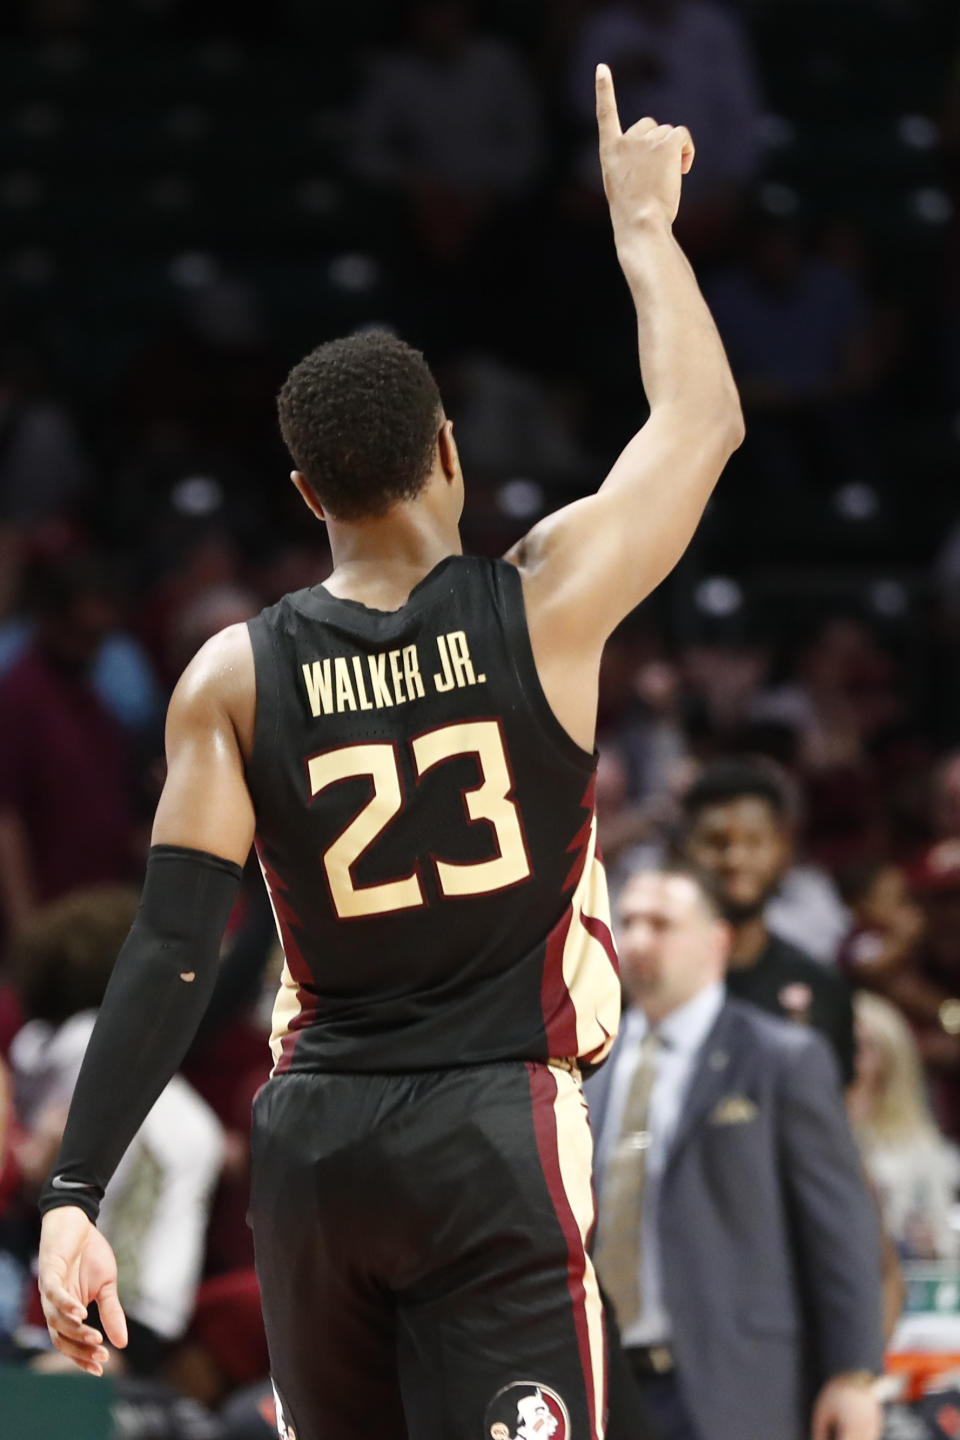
[
  {"x": 157, "y": 1205},
  {"x": 683, "y": 1034}
]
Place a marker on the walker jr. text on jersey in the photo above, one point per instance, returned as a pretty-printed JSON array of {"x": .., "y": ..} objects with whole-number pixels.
[{"x": 390, "y": 677}]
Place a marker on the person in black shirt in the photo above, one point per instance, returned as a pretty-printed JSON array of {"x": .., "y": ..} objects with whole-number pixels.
[{"x": 739, "y": 829}]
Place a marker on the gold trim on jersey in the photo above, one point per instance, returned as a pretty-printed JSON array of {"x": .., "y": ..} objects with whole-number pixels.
[
  {"x": 589, "y": 973},
  {"x": 286, "y": 1009},
  {"x": 287, "y": 1005},
  {"x": 575, "y": 1154}
]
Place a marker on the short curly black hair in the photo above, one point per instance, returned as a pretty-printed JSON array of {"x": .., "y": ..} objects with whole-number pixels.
[
  {"x": 743, "y": 777},
  {"x": 360, "y": 417}
]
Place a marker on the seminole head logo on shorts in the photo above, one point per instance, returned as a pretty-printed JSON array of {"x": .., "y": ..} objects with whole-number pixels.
[{"x": 526, "y": 1410}]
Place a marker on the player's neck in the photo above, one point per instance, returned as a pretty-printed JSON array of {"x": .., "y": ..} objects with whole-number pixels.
[
  {"x": 749, "y": 942},
  {"x": 379, "y": 561}
]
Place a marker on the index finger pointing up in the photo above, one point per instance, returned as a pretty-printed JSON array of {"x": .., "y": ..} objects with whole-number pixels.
[{"x": 608, "y": 120}]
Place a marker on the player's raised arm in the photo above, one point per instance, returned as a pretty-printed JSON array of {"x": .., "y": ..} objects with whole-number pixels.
[
  {"x": 586, "y": 566},
  {"x": 159, "y": 988}
]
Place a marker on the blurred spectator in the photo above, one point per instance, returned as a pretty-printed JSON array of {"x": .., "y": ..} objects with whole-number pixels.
[
  {"x": 793, "y": 323},
  {"x": 448, "y": 140},
  {"x": 844, "y": 702},
  {"x": 449, "y": 128},
  {"x": 629, "y": 832},
  {"x": 807, "y": 910},
  {"x": 724, "y": 681},
  {"x": 660, "y": 746},
  {"x": 120, "y": 672},
  {"x": 906, "y": 947},
  {"x": 928, "y": 988},
  {"x": 946, "y": 797},
  {"x": 915, "y": 1172},
  {"x": 16, "y": 1229},
  {"x": 643, "y": 756},
  {"x": 845, "y": 694},
  {"x": 293, "y": 567},
  {"x": 737, "y": 1243},
  {"x": 685, "y": 62},
  {"x": 66, "y": 813},
  {"x": 888, "y": 924},
  {"x": 739, "y": 828},
  {"x": 209, "y": 565},
  {"x": 797, "y": 327},
  {"x": 653, "y": 714},
  {"x": 612, "y": 799},
  {"x": 43, "y": 467},
  {"x": 509, "y": 423},
  {"x": 155, "y": 1210},
  {"x": 641, "y": 713},
  {"x": 451, "y": 120},
  {"x": 201, "y": 617},
  {"x": 226, "y": 1347}
]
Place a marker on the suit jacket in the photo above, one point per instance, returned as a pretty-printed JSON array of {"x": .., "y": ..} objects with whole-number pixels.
[{"x": 769, "y": 1238}]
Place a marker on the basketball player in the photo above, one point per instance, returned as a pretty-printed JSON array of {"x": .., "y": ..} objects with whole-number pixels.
[{"x": 411, "y": 744}]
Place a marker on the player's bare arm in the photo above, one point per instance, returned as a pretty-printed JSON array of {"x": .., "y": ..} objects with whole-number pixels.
[
  {"x": 203, "y": 831},
  {"x": 588, "y": 565},
  {"x": 205, "y": 803}
]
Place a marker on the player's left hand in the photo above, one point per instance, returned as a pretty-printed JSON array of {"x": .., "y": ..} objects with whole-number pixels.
[
  {"x": 77, "y": 1266},
  {"x": 847, "y": 1409}
]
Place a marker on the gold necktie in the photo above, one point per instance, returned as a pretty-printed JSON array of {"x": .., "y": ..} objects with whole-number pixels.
[{"x": 617, "y": 1251}]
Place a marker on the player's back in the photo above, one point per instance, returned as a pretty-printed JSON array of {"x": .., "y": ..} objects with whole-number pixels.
[{"x": 426, "y": 829}]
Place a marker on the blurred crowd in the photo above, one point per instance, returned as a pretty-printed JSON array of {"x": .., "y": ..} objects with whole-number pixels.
[{"x": 808, "y": 643}]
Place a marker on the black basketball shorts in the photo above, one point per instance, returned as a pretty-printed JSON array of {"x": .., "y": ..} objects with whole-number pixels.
[{"x": 421, "y": 1250}]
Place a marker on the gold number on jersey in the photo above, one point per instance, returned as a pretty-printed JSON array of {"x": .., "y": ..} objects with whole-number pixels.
[
  {"x": 380, "y": 763},
  {"x": 490, "y": 801}
]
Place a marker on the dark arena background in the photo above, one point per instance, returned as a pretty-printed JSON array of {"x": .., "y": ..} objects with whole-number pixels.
[{"x": 193, "y": 193}]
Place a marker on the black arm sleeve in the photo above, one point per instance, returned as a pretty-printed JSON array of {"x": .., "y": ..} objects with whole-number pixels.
[
  {"x": 240, "y": 977},
  {"x": 160, "y": 986}
]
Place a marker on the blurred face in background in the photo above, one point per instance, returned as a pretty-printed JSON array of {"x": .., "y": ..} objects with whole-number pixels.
[
  {"x": 671, "y": 944},
  {"x": 612, "y": 781},
  {"x": 72, "y": 634},
  {"x": 746, "y": 848},
  {"x": 888, "y": 906}
]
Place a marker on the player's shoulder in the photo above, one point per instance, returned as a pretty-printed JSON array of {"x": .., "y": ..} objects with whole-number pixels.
[
  {"x": 220, "y": 675},
  {"x": 776, "y": 1042},
  {"x": 294, "y": 602},
  {"x": 758, "y": 1028}
]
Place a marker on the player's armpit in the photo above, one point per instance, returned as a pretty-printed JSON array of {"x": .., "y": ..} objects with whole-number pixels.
[
  {"x": 588, "y": 565},
  {"x": 205, "y": 804}
]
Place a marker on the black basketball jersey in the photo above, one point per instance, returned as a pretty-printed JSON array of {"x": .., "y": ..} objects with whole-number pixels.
[{"x": 427, "y": 834}]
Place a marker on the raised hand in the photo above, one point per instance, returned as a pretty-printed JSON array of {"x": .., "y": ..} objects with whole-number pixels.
[
  {"x": 77, "y": 1266},
  {"x": 643, "y": 168}
]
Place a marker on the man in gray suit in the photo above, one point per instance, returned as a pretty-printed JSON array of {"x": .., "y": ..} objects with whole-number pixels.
[{"x": 736, "y": 1241}]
